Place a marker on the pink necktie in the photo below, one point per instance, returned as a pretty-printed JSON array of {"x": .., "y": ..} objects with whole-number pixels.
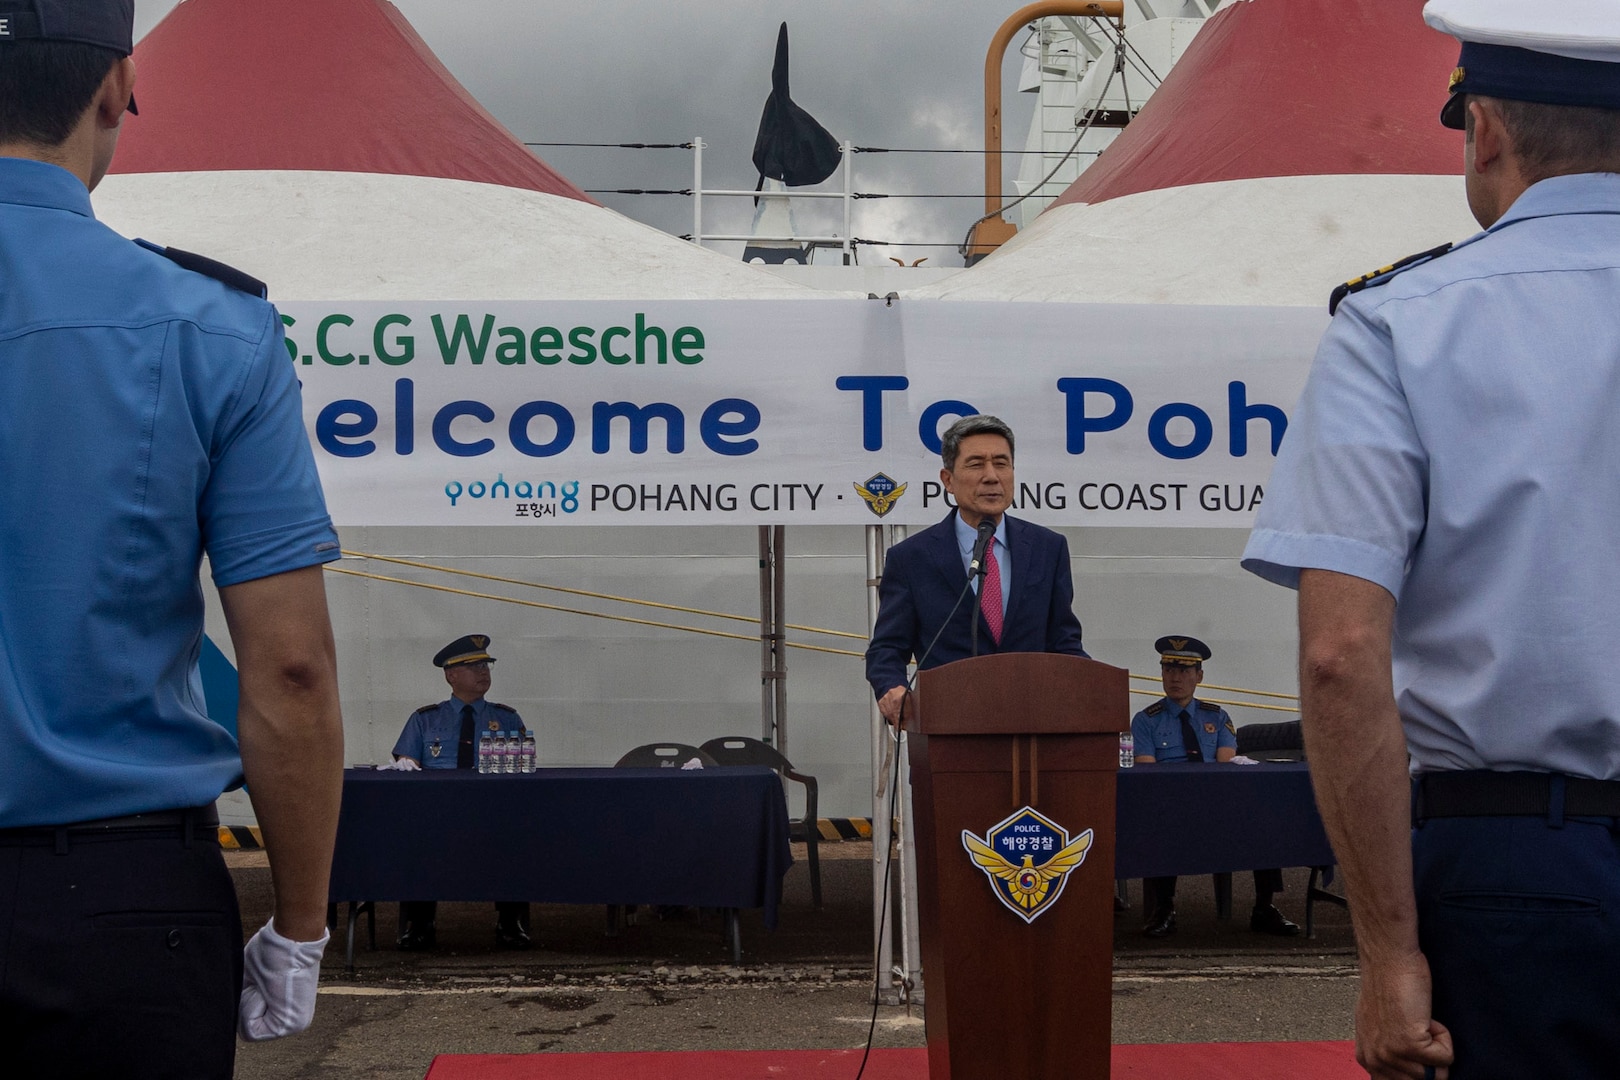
[{"x": 990, "y": 593}]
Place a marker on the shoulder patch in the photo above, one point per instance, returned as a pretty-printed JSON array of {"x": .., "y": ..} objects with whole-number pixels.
[
  {"x": 202, "y": 264},
  {"x": 1205, "y": 706},
  {"x": 1383, "y": 275},
  {"x": 503, "y": 708},
  {"x": 1231, "y": 726},
  {"x": 1154, "y": 709}
]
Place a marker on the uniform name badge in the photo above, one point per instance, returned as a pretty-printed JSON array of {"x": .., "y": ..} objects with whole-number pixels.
[{"x": 1027, "y": 858}]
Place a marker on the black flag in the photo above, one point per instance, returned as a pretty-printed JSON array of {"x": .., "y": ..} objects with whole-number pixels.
[{"x": 791, "y": 146}]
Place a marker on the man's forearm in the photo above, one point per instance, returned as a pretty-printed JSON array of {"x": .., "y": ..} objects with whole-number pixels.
[
  {"x": 291, "y": 733},
  {"x": 1357, "y": 751},
  {"x": 293, "y": 762}
]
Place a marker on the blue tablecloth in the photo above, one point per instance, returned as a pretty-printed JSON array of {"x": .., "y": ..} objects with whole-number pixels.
[
  {"x": 1210, "y": 817},
  {"x": 703, "y": 838}
]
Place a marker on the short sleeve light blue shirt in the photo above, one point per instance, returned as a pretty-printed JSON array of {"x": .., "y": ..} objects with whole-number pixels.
[
  {"x": 1156, "y": 730},
  {"x": 150, "y": 415},
  {"x": 967, "y": 536},
  {"x": 432, "y": 735},
  {"x": 1457, "y": 444}
]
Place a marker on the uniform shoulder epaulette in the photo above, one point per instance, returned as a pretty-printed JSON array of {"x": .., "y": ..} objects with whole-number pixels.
[
  {"x": 1154, "y": 709},
  {"x": 503, "y": 708},
  {"x": 202, "y": 264},
  {"x": 429, "y": 708},
  {"x": 1205, "y": 706},
  {"x": 1383, "y": 275}
]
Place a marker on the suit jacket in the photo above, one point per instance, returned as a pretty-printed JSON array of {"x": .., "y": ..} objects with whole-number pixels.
[{"x": 924, "y": 575}]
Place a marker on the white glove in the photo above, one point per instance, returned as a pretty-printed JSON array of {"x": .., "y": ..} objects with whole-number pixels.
[
  {"x": 404, "y": 764},
  {"x": 695, "y": 763},
  {"x": 279, "y": 978}
]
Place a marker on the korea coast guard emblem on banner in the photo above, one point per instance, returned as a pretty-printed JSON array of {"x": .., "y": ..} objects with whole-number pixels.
[
  {"x": 881, "y": 493},
  {"x": 1027, "y": 859}
]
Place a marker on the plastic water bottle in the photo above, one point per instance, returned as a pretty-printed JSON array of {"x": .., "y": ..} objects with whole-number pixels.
[
  {"x": 528, "y": 752},
  {"x": 1127, "y": 750},
  {"x": 514, "y": 749},
  {"x": 486, "y": 753}
]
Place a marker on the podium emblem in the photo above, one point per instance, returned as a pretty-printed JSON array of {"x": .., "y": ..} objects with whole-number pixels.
[
  {"x": 881, "y": 493},
  {"x": 1027, "y": 859}
]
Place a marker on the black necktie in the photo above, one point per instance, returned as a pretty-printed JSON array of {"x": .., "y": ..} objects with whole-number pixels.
[
  {"x": 1189, "y": 738},
  {"x": 466, "y": 752}
]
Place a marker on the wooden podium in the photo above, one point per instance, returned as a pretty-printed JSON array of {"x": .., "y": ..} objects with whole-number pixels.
[{"x": 1018, "y": 967}]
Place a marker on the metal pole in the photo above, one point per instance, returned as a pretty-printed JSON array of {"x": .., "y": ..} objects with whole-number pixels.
[
  {"x": 849, "y": 199},
  {"x": 697, "y": 191},
  {"x": 779, "y": 636},
  {"x": 767, "y": 626},
  {"x": 882, "y": 943},
  {"x": 911, "y": 973},
  {"x": 909, "y": 970}
]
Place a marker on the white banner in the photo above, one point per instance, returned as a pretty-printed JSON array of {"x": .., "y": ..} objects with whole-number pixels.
[{"x": 781, "y": 412}]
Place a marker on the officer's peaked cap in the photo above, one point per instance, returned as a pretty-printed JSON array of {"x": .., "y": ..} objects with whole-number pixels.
[
  {"x": 1560, "y": 53},
  {"x": 1185, "y": 651},
  {"x": 464, "y": 650}
]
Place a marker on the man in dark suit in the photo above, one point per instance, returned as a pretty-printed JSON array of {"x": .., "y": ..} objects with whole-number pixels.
[{"x": 1026, "y": 598}]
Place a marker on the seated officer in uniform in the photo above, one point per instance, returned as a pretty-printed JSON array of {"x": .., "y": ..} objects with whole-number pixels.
[
  {"x": 445, "y": 736},
  {"x": 1179, "y": 727}
]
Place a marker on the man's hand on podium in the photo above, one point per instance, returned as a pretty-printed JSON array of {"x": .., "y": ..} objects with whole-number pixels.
[{"x": 891, "y": 705}]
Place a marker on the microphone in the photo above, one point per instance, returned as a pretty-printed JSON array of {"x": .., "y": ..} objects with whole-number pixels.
[{"x": 987, "y": 535}]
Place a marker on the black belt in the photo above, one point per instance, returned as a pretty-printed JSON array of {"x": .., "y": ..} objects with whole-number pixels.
[
  {"x": 199, "y": 819},
  {"x": 1512, "y": 794}
]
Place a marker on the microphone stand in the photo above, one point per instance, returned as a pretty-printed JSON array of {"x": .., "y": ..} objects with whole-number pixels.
[
  {"x": 978, "y": 569},
  {"x": 973, "y": 616}
]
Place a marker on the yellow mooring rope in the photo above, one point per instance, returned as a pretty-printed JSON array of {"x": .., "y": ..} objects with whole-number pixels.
[
  {"x": 699, "y": 611},
  {"x": 594, "y": 595},
  {"x": 580, "y": 611}
]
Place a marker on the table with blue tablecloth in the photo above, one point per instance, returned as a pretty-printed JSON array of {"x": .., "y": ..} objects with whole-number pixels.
[
  {"x": 710, "y": 838},
  {"x": 1217, "y": 817}
]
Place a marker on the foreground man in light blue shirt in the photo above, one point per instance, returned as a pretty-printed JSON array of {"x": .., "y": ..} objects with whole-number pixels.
[
  {"x": 150, "y": 415},
  {"x": 1447, "y": 502}
]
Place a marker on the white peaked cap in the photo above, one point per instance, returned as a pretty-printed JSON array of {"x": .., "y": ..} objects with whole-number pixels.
[{"x": 1579, "y": 29}]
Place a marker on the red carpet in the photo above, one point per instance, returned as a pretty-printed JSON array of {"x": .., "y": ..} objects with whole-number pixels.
[{"x": 1161, "y": 1061}]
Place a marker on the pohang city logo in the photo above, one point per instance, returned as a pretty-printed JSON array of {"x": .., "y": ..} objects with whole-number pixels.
[{"x": 548, "y": 493}]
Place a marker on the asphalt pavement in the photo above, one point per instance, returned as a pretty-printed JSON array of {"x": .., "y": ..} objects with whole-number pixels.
[{"x": 668, "y": 981}]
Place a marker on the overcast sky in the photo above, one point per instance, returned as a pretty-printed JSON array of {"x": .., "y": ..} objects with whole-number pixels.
[{"x": 891, "y": 73}]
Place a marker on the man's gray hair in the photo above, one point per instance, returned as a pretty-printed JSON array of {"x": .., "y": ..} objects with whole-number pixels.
[
  {"x": 980, "y": 424},
  {"x": 1558, "y": 140}
]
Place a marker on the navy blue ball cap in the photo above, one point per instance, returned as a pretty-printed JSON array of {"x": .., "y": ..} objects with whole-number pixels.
[
  {"x": 472, "y": 649},
  {"x": 107, "y": 23},
  {"x": 1563, "y": 53}
]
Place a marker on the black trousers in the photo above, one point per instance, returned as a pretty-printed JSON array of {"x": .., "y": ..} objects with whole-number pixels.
[
  {"x": 122, "y": 954},
  {"x": 1161, "y": 891},
  {"x": 1519, "y": 918}
]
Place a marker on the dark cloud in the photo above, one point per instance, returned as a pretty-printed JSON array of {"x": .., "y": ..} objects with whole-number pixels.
[{"x": 898, "y": 73}]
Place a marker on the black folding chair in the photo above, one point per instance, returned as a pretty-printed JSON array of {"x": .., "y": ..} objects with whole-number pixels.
[
  {"x": 741, "y": 750},
  {"x": 1272, "y": 742},
  {"x": 664, "y": 755},
  {"x": 1286, "y": 742},
  {"x": 670, "y": 755}
]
